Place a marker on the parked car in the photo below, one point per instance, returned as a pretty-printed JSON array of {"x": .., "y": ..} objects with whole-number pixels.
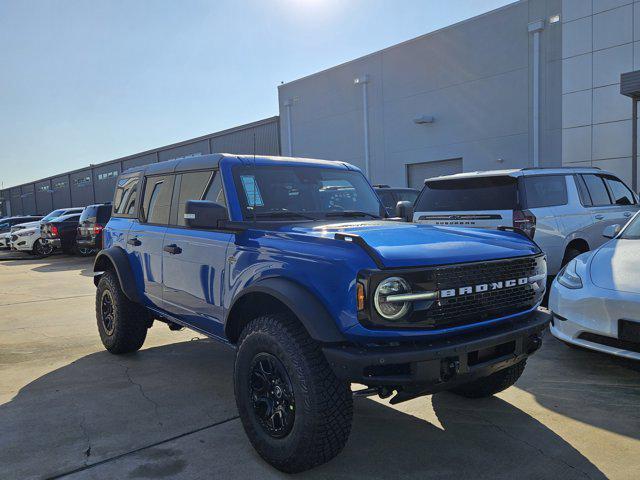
[
  {"x": 261, "y": 253},
  {"x": 90, "y": 227},
  {"x": 595, "y": 299},
  {"x": 9, "y": 222},
  {"x": 26, "y": 237},
  {"x": 391, "y": 196},
  {"x": 60, "y": 233},
  {"x": 563, "y": 209}
]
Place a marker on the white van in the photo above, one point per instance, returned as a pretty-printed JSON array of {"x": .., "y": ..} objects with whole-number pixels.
[{"x": 564, "y": 210}]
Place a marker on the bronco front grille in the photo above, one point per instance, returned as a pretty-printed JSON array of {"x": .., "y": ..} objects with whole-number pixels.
[{"x": 475, "y": 307}]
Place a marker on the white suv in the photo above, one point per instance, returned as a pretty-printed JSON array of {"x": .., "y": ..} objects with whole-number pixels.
[
  {"x": 27, "y": 237},
  {"x": 563, "y": 209}
]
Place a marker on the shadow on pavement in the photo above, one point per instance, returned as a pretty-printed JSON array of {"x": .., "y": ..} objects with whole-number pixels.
[
  {"x": 102, "y": 406},
  {"x": 58, "y": 262}
]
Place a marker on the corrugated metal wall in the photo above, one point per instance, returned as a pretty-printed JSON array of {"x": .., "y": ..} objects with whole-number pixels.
[{"x": 96, "y": 184}]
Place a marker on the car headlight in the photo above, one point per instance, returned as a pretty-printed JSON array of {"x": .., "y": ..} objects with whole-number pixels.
[
  {"x": 24, "y": 233},
  {"x": 568, "y": 276},
  {"x": 383, "y": 300}
]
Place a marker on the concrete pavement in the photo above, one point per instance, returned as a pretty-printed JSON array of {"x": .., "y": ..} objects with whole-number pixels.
[{"x": 68, "y": 409}]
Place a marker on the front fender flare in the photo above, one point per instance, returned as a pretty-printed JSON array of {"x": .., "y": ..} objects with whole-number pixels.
[
  {"x": 117, "y": 257},
  {"x": 305, "y": 306}
]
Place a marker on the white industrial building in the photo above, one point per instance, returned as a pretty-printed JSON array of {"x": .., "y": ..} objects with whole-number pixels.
[{"x": 534, "y": 83}]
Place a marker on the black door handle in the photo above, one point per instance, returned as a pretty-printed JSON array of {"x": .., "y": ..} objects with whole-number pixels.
[
  {"x": 173, "y": 249},
  {"x": 134, "y": 241}
]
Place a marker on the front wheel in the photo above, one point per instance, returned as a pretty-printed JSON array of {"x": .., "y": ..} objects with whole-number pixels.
[
  {"x": 494, "y": 383},
  {"x": 295, "y": 411},
  {"x": 121, "y": 322},
  {"x": 42, "y": 249}
]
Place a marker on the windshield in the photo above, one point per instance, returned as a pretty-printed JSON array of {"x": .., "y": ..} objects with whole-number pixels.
[
  {"x": 469, "y": 194},
  {"x": 632, "y": 232},
  {"x": 307, "y": 193},
  {"x": 54, "y": 214}
]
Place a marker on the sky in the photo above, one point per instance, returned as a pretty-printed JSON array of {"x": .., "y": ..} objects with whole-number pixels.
[{"x": 83, "y": 82}]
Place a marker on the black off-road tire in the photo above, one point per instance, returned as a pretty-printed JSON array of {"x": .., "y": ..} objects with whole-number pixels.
[
  {"x": 323, "y": 403},
  {"x": 494, "y": 383},
  {"x": 128, "y": 328}
]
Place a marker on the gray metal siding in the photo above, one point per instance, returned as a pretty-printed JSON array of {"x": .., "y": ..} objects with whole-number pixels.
[
  {"x": 139, "y": 161},
  {"x": 16, "y": 201},
  {"x": 81, "y": 184},
  {"x": 28, "y": 200},
  {"x": 104, "y": 181},
  {"x": 44, "y": 197},
  {"x": 66, "y": 192},
  {"x": 196, "y": 148},
  {"x": 61, "y": 192},
  {"x": 242, "y": 142}
]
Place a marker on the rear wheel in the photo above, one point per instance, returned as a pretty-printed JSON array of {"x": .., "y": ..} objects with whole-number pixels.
[
  {"x": 42, "y": 249},
  {"x": 122, "y": 323},
  {"x": 295, "y": 411},
  {"x": 494, "y": 383}
]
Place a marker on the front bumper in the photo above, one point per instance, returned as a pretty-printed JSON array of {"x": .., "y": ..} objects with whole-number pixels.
[{"x": 442, "y": 363}]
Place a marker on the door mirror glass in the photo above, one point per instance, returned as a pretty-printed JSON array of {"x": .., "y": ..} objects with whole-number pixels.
[
  {"x": 404, "y": 210},
  {"x": 204, "y": 214},
  {"x": 611, "y": 231}
]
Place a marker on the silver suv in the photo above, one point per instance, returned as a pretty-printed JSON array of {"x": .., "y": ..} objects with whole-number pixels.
[{"x": 564, "y": 210}]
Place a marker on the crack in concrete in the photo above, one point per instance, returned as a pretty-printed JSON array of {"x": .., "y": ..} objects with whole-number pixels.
[
  {"x": 143, "y": 393},
  {"x": 83, "y": 427}
]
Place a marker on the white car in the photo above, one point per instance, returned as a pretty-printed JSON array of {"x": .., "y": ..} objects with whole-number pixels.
[
  {"x": 595, "y": 299},
  {"x": 27, "y": 237},
  {"x": 564, "y": 210}
]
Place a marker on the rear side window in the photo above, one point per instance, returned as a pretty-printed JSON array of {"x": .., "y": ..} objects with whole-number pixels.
[
  {"x": 620, "y": 192},
  {"x": 89, "y": 214},
  {"x": 157, "y": 199},
  {"x": 125, "y": 198},
  {"x": 193, "y": 186},
  {"x": 469, "y": 194},
  {"x": 597, "y": 190},
  {"x": 545, "y": 190}
]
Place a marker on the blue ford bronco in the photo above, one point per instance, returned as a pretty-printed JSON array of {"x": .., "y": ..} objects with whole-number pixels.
[{"x": 294, "y": 264}]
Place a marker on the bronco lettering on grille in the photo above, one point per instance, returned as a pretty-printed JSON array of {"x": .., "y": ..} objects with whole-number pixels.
[{"x": 483, "y": 287}]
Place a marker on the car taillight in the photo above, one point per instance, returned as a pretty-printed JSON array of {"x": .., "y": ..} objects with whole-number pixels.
[
  {"x": 97, "y": 228},
  {"x": 53, "y": 230},
  {"x": 525, "y": 221}
]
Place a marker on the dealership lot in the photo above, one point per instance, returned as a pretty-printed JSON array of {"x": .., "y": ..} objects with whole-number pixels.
[{"x": 68, "y": 408}]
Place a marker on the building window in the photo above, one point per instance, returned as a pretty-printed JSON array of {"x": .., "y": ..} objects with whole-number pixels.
[
  {"x": 59, "y": 185},
  {"x": 82, "y": 181},
  {"x": 107, "y": 175},
  {"x": 44, "y": 188}
]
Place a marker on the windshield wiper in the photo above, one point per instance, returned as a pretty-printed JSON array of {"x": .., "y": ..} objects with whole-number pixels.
[
  {"x": 350, "y": 213},
  {"x": 280, "y": 214}
]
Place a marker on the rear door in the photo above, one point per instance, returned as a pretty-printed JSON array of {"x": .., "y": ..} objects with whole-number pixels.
[
  {"x": 604, "y": 211},
  {"x": 480, "y": 202},
  {"x": 146, "y": 236},
  {"x": 194, "y": 260},
  {"x": 624, "y": 201}
]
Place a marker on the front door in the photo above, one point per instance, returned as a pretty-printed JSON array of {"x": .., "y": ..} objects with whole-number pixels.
[{"x": 194, "y": 261}]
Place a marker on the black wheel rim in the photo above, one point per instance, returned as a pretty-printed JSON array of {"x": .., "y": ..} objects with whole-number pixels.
[
  {"x": 42, "y": 249},
  {"x": 107, "y": 313},
  {"x": 271, "y": 394}
]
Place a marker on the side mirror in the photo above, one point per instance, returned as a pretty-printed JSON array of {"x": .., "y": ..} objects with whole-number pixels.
[
  {"x": 204, "y": 214},
  {"x": 611, "y": 231},
  {"x": 404, "y": 210}
]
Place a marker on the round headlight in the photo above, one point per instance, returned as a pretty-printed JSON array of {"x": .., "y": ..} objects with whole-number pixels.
[{"x": 391, "y": 310}]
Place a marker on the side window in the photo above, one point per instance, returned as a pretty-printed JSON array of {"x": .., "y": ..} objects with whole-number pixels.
[
  {"x": 124, "y": 201},
  {"x": 597, "y": 190},
  {"x": 546, "y": 190},
  {"x": 387, "y": 199},
  {"x": 157, "y": 199},
  {"x": 193, "y": 186},
  {"x": 583, "y": 193},
  {"x": 215, "y": 193},
  {"x": 619, "y": 191}
]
